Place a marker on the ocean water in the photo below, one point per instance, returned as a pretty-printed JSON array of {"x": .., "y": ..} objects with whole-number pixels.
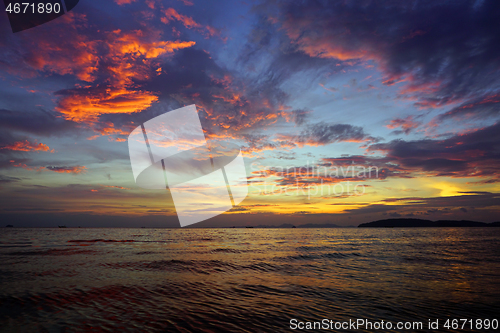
[{"x": 244, "y": 280}]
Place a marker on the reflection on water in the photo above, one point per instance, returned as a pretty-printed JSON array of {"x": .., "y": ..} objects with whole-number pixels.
[{"x": 250, "y": 280}]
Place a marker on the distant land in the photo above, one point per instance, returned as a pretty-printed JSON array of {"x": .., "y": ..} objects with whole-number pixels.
[{"x": 418, "y": 223}]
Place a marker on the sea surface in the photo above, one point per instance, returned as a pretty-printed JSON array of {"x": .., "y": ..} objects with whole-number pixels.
[{"x": 244, "y": 280}]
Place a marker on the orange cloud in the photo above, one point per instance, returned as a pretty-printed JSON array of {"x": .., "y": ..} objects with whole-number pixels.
[
  {"x": 27, "y": 146},
  {"x": 85, "y": 106},
  {"x": 331, "y": 89},
  {"x": 406, "y": 124},
  {"x": 327, "y": 49},
  {"x": 235, "y": 99},
  {"x": 110, "y": 130},
  {"x": 133, "y": 44},
  {"x": 129, "y": 57},
  {"x": 124, "y": 2},
  {"x": 421, "y": 88},
  {"x": 71, "y": 53},
  {"x": 109, "y": 62},
  {"x": 172, "y": 15},
  {"x": 468, "y": 109},
  {"x": 323, "y": 46}
]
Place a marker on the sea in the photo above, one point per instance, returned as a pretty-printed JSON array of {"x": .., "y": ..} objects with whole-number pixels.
[{"x": 249, "y": 280}]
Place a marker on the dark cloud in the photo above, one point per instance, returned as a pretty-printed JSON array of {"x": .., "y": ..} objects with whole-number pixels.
[
  {"x": 260, "y": 142},
  {"x": 17, "y": 129},
  {"x": 482, "y": 107},
  {"x": 377, "y": 167},
  {"x": 230, "y": 104},
  {"x": 272, "y": 54},
  {"x": 323, "y": 133},
  {"x": 468, "y": 199},
  {"x": 395, "y": 214},
  {"x": 433, "y": 205},
  {"x": 96, "y": 58},
  {"x": 8, "y": 179},
  {"x": 112, "y": 72},
  {"x": 299, "y": 117},
  {"x": 35, "y": 122},
  {"x": 446, "y": 51},
  {"x": 117, "y": 78},
  {"x": 406, "y": 124},
  {"x": 473, "y": 154}
]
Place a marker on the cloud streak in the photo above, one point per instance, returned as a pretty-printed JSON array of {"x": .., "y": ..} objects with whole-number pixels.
[
  {"x": 27, "y": 146},
  {"x": 321, "y": 134},
  {"x": 76, "y": 169}
]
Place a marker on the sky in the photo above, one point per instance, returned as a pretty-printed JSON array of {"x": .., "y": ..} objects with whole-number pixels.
[{"x": 345, "y": 112}]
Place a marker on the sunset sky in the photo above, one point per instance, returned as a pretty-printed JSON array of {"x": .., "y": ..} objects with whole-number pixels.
[{"x": 409, "y": 90}]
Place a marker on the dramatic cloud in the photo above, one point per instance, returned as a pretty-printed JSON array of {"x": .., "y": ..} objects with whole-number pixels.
[
  {"x": 444, "y": 51},
  {"x": 230, "y": 105},
  {"x": 128, "y": 58},
  {"x": 472, "y": 154},
  {"x": 106, "y": 64},
  {"x": 475, "y": 154},
  {"x": 88, "y": 104},
  {"x": 289, "y": 81},
  {"x": 55, "y": 49}
]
